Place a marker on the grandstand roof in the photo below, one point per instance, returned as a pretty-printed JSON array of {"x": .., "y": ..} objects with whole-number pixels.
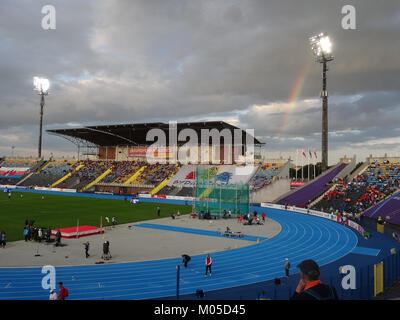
[{"x": 135, "y": 134}]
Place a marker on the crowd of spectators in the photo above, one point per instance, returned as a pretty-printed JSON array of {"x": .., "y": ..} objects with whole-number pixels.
[
  {"x": 54, "y": 171},
  {"x": 146, "y": 173},
  {"x": 164, "y": 171},
  {"x": 58, "y": 168},
  {"x": 264, "y": 176},
  {"x": 377, "y": 182},
  {"x": 134, "y": 166},
  {"x": 35, "y": 233},
  {"x": 119, "y": 169},
  {"x": 18, "y": 163},
  {"x": 90, "y": 171}
]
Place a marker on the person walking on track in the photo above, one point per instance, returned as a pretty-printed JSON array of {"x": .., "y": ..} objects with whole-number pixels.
[
  {"x": 208, "y": 264},
  {"x": 185, "y": 259},
  {"x": 287, "y": 267}
]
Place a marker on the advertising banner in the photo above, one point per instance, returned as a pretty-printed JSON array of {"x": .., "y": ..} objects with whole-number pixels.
[
  {"x": 13, "y": 173},
  {"x": 297, "y": 184},
  {"x": 324, "y": 215},
  {"x": 152, "y": 152}
]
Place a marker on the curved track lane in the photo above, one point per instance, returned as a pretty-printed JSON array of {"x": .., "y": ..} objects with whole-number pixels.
[{"x": 302, "y": 237}]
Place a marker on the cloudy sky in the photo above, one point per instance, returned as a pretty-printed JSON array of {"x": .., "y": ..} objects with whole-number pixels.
[{"x": 246, "y": 62}]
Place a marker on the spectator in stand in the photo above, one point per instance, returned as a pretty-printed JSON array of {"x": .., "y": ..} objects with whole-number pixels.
[
  {"x": 376, "y": 183},
  {"x": 309, "y": 286}
]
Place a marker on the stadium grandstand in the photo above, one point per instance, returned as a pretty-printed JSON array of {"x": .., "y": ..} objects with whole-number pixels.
[
  {"x": 52, "y": 171},
  {"x": 12, "y": 170},
  {"x": 118, "y": 159},
  {"x": 314, "y": 188},
  {"x": 375, "y": 182},
  {"x": 114, "y": 159}
]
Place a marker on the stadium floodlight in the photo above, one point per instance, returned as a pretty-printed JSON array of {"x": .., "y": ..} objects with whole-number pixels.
[
  {"x": 321, "y": 46},
  {"x": 41, "y": 85}
]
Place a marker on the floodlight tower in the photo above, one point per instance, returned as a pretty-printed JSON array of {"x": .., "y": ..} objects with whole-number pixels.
[
  {"x": 41, "y": 85},
  {"x": 322, "y": 49}
]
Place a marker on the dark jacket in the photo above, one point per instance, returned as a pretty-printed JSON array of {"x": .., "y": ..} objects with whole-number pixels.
[
  {"x": 318, "y": 292},
  {"x": 106, "y": 247}
]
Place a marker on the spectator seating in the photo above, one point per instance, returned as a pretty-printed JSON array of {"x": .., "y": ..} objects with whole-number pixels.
[
  {"x": 164, "y": 171},
  {"x": 82, "y": 177},
  {"x": 264, "y": 175},
  {"x": 19, "y": 163},
  {"x": 119, "y": 169},
  {"x": 168, "y": 190},
  {"x": 185, "y": 192},
  {"x": 134, "y": 167},
  {"x": 146, "y": 173},
  {"x": 24, "y": 164},
  {"x": 377, "y": 182},
  {"x": 311, "y": 191},
  {"x": 389, "y": 210},
  {"x": 54, "y": 171}
]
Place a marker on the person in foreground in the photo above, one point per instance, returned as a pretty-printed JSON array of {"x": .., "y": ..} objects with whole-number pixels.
[
  {"x": 63, "y": 292},
  {"x": 310, "y": 287}
]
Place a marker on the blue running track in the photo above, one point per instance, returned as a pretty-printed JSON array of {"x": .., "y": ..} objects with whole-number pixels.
[
  {"x": 302, "y": 237},
  {"x": 197, "y": 231}
]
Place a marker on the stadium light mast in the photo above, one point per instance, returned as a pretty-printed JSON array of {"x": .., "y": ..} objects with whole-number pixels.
[
  {"x": 41, "y": 85},
  {"x": 322, "y": 49}
]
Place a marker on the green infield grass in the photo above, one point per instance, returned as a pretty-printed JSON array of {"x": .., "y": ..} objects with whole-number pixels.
[{"x": 58, "y": 211}]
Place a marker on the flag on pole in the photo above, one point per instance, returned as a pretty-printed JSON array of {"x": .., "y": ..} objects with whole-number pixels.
[
  {"x": 309, "y": 151},
  {"x": 304, "y": 154},
  {"x": 315, "y": 153}
]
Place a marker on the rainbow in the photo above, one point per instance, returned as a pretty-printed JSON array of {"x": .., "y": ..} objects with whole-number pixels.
[{"x": 295, "y": 92}]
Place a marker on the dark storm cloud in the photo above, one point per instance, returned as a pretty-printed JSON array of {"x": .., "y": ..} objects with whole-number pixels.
[{"x": 135, "y": 61}]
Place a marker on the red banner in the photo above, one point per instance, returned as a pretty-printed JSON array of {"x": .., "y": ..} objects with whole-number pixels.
[
  {"x": 137, "y": 152},
  {"x": 12, "y": 172},
  {"x": 297, "y": 184}
]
